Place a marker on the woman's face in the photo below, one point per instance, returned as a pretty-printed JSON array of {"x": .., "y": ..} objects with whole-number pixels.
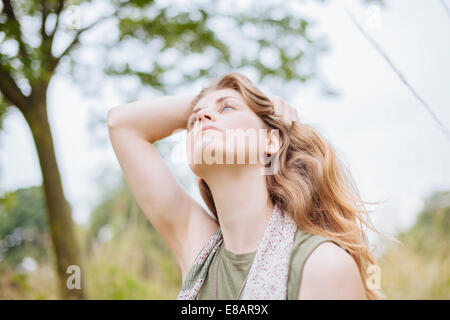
[{"x": 232, "y": 138}]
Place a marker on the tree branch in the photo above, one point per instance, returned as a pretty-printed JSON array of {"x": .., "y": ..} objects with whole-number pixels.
[
  {"x": 7, "y": 7},
  {"x": 76, "y": 39},
  {"x": 44, "y": 12},
  {"x": 11, "y": 91},
  {"x": 58, "y": 14},
  {"x": 9, "y": 10}
]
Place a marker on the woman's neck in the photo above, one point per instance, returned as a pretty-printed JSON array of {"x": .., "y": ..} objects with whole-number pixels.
[{"x": 243, "y": 205}]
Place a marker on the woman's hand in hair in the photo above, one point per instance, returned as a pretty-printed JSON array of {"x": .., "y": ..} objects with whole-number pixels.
[{"x": 282, "y": 109}]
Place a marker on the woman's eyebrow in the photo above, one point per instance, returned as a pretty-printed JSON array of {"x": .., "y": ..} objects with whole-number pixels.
[{"x": 220, "y": 99}]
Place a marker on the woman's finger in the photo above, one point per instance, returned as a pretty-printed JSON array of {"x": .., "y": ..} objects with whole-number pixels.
[
  {"x": 277, "y": 108},
  {"x": 294, "y": 114},
  {"x": 287, "y": 114},
  {"x": 282, "y": 109}
]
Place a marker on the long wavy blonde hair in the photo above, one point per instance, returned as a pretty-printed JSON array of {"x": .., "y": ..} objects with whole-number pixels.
[{"x": 311, "y": 183}]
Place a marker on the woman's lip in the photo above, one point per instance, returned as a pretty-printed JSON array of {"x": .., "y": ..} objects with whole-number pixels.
[
  {"x": 207, "y": 127},
  {"x": 210, "y": 127}
]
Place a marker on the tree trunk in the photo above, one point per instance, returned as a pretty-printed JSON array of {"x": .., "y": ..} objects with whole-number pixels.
[{"x": 58, "y": 209}]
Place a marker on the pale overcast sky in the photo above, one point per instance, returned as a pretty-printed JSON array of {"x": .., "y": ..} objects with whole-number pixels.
[{"x": 394, "y": 149}]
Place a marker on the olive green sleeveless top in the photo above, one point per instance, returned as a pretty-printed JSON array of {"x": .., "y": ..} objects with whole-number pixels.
[{"x": 234, "y": 268}]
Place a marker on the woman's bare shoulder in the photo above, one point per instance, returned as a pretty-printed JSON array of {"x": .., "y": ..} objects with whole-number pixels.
[{"x": 330, "y": 272}]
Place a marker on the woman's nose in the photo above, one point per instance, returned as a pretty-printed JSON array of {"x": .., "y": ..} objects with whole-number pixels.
[{"x": 205, "y": 116}]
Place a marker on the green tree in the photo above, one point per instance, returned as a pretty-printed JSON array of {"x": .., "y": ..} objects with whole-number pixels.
[{"x": 23, "y": 225}]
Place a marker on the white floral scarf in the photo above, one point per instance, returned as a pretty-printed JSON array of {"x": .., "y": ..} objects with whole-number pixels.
[{"x": 268, "y": 275}]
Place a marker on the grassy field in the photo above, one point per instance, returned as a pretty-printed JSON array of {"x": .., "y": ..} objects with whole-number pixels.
[
  {"x": 421, "y": 268},
  {"x": 133, "y": 262},
  {"x": 132, "y": 265}
]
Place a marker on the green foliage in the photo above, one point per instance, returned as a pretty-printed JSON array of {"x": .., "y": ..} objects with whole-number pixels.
[
  {"x": 23, "y": 225},
  {"x": 39, "y": 285},
  {"x": 432, "y": 226},
  {"x": 24, "y": 207},
  {"x": 193, "y": 32},
  {"x": 134, "y": 265},
  {"x": 133, "y": 262},
  {"x": 3, "y": 110},
  {"x": 421, "y": 268},
  {"x": 116, "y": 210},
  {"x": 188, "y": 31}
]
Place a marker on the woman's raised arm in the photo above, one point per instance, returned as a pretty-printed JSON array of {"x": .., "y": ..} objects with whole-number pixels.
[
  {"x": 152, "y": 118},
  {"x": 176, "y": 216}
]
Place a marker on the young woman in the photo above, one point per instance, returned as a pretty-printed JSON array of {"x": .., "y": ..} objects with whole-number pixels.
[{"x": 292, "y": 233}]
